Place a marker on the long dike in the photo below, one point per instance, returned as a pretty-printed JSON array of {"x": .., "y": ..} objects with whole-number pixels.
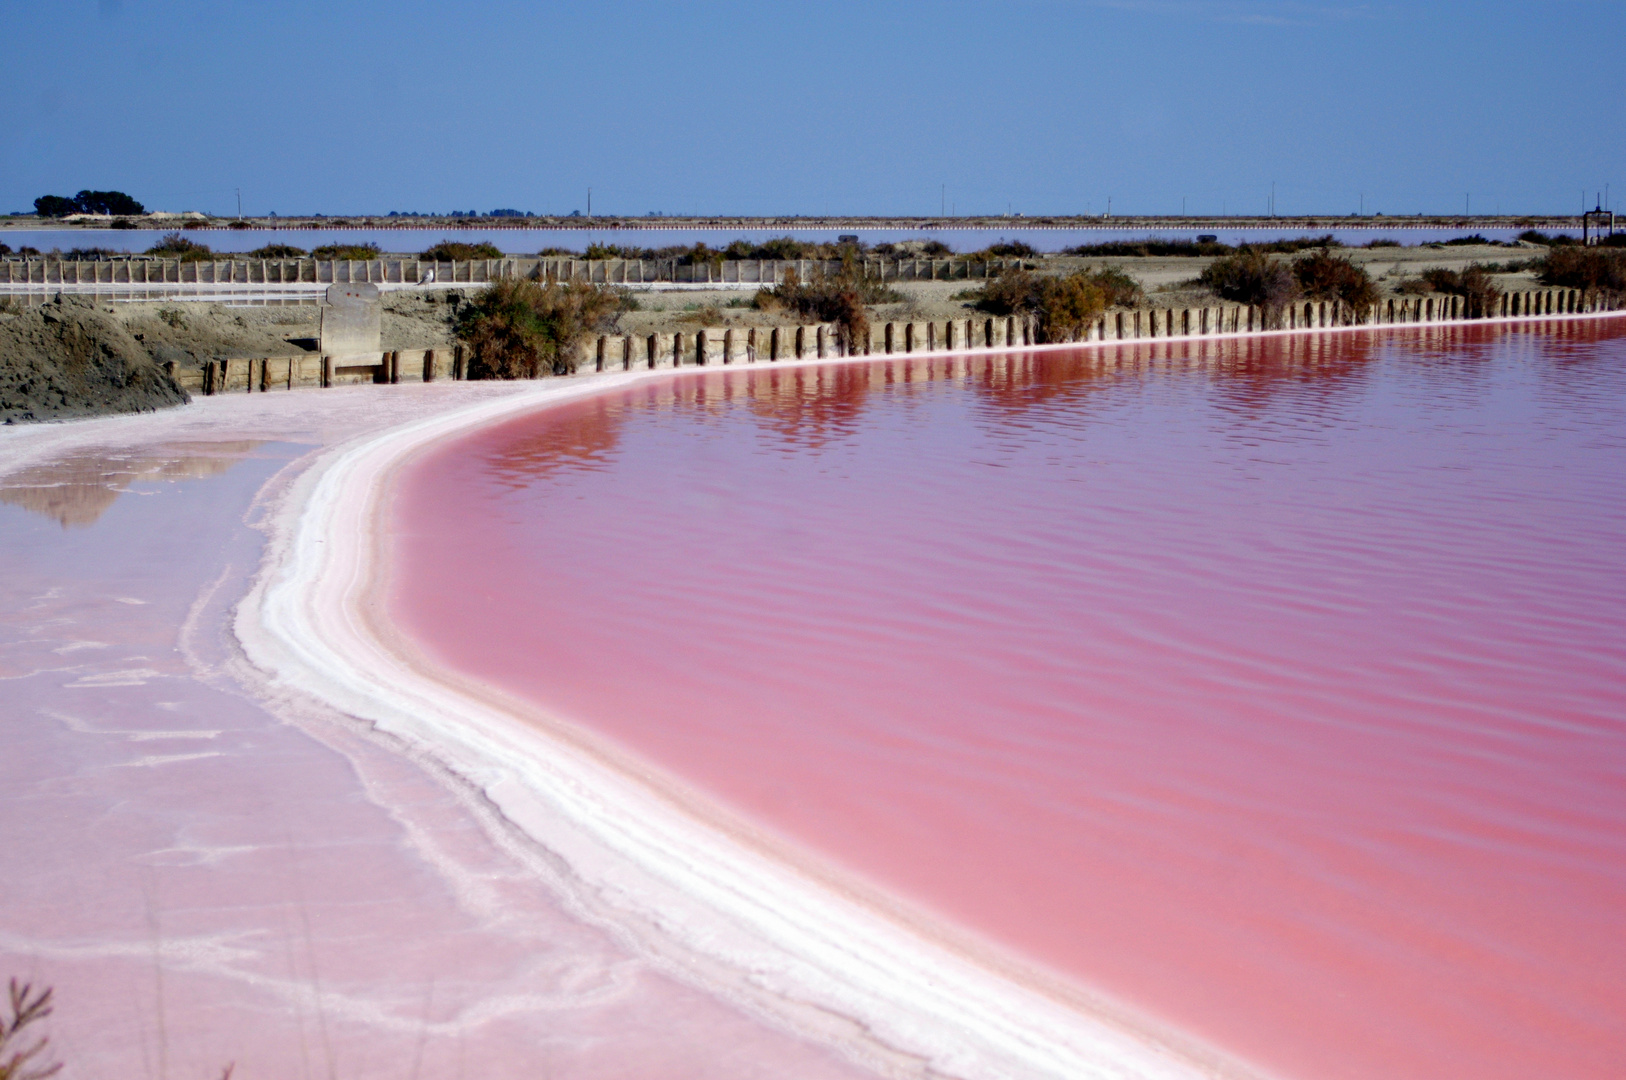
[
  {"x": 424, "y": 273},
  {"x": 720, "y": 346}
]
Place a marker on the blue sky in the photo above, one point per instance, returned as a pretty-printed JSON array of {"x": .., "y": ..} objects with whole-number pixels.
[{"x": 812, "y": 108}]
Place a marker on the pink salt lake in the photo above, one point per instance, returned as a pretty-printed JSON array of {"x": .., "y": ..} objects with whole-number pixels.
[{"x": 1275, "y": 690}]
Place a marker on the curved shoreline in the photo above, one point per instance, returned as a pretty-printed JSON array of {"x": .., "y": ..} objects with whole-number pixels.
[{"x": 779, "y": 938}]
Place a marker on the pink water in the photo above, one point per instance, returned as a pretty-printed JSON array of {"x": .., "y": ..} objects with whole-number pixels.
[
  {"x": 212, "y": 878},
  {"x": 1276, "y": 689}
]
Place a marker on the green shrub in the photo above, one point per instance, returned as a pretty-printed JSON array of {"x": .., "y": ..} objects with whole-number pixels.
[
  {"x": 1381, "y": 244},
  {"x": 277, "y": 251},
  {"x": 1005, "y": 249},
  {"x": 1474, "y": 283},
  {"x": 1063, "y": 307},
  {"x": 455, "y": 251},
  {"x": 519, "y": 328},
  {"x": 175, "y": 246},
  {"x": 842, "y": 298},
  {"x": 1324, "y": 276},
  {"x": 347, "y": 252},
  {"x": 1151, "y": 246},
  {"x": 1120, "y": 288},
  {"x": 1595, "y": 271},
  {"x": 1252, "y": 277}
]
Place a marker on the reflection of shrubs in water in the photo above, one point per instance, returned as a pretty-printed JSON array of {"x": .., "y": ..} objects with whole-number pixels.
[
  {"x": 1595, "y": 271},
  {"x": 19, "y": 1058},
  {"x": 1325, "y": 276},
  {"x": 519, "y": 329},
  {"x": 175, "y": 246},
  {"x": 455, "y": 251}
]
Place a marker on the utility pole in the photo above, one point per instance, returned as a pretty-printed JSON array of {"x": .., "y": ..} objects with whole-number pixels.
[
  {"x": 1363, "y": 204},
  {"x": 1273, "y": 198},
  {"x": 942, "y": 210},
  {"x": 1182, "y": 206},
  {"x": 239, "y": 204}
]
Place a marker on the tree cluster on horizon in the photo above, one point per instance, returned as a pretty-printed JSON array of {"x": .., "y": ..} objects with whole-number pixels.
[{"x": 88, "y": 202}]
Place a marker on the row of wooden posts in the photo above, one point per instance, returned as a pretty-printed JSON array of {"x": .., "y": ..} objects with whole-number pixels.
[
  {"x": 248, "y": 271},
  {"x": 706, "y": 346}
]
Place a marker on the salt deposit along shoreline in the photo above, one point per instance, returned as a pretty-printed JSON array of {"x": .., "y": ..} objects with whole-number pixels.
[
  {"x": 752, "y": 923},
  {"x": 646, "y": 856}
]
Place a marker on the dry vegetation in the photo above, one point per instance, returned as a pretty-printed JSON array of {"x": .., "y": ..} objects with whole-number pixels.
[
  {"x": 1062, "y": 307},
  {"x": 520, "y": 329},
  {"x": 843, "y": 299},
  {"x": 1596, "y": 271},
  {"x": 22, "y": 1053}
]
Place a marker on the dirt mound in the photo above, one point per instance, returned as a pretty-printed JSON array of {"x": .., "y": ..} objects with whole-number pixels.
[{"x": 71, "y": 358}]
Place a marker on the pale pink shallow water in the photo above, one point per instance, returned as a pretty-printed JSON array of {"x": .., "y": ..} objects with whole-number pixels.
[
  {"x": 209, "y": 877},
  {"x": 1277, "y": 689}
]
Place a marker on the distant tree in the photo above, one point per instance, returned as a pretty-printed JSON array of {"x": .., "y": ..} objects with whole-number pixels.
[
  {"x": 55, "y": 206},
  {"x": 88, "y": 202},
  {"x": 108, "y": 202}
]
